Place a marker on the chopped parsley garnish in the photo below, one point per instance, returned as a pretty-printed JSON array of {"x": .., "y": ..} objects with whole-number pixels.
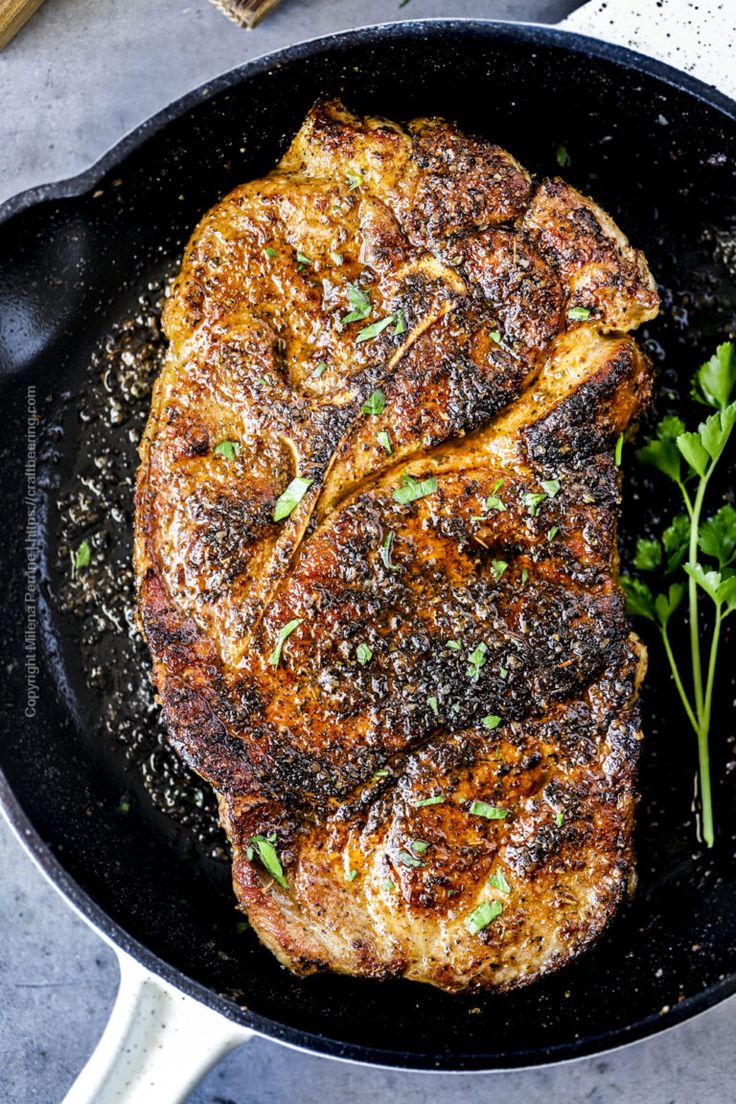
[
  {"x": 360, "y": 304},
  {"x": 375, "y": 403},
  {"x": 385, "y": 551},
  {"x": 533, "y": 500},
  {"x": 291, "y": 498},
  {"x": 228, "y": 449},
  {"x": 364, "y": 654},
  {"x": 550, "y": 487},
  {"x": 503, "y": 672},
  {"x": 369, "y": 332},
  {"x": 270, "y": 251},
  {"x": 490, "y": 812},
  {"x": 559, "y": 819},
  {"x": 438, "y": 799},
  {"x": 124, "y": 805},
  {"x": 524, "y": 575},
  {"x": 411, "y": 489},
  {"x": 453, "y": 645},
  {"x": 552, "y": 532},
  {"x": 562, "y": 157},
  {"x": 618, "y": 451},
  {"x": 351, "y": 875},
  {"x": 495, "y": 336},
  {"x": 269, "y": 858},
  {"x": 319, "y": 370},
  {"x": 578, "y": 314},
  {"x": 388, "y": 884},
  {"x": 491, "y": 721},
  {"x": 434, "y": 706},
  {"x": 482, "y": 916},
  {"x": 493, "y": 502},
  {"x": 242, "y": 926},
  {"x": 419, "y": 846},
  {"x": 82, "y": 556},
  {"x": 282, "y": 635},
  {"x": 498, "y": 881},
  {"x": 382, "y": 772},
  {"x": 384, "y": 440},
  {"x": 407, "y": 859},
  {"x": 476, "y": 660},
  {"x": 303, "y": 261},
  {"x": 498, "y": 567},
  {"x": 354, "y": 180}
]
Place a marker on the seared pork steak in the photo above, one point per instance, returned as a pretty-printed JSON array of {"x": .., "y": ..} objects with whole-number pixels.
[{"x": 376, "y": 551}]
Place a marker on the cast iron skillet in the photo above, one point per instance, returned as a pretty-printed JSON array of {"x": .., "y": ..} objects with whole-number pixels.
[{"x": 658, "y": 150}]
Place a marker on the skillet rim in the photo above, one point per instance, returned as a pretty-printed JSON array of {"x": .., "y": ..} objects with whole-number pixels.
[{"x": 530, "y": 34}]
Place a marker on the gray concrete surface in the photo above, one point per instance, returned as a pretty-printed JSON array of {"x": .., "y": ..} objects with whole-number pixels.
[{"x": 79, "y": 76}]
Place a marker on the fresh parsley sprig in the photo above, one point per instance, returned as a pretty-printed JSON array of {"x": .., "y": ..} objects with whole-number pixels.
[{"x": 689, "y": 459}]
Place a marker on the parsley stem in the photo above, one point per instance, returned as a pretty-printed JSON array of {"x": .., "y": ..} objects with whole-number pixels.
[
  {"x": 703, "y": 756},
  {"x": 693, "y": 600},
  {"x": 678, "y": 681}
]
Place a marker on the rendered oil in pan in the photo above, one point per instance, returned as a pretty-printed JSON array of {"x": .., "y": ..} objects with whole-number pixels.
[{"x": 95, "y": 505}]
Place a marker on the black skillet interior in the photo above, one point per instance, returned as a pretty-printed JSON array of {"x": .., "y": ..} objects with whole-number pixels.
[{"x": 661, "y": 160}]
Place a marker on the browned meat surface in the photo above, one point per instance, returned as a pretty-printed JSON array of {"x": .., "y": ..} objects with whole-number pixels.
[{"x": 438, "y": 762}]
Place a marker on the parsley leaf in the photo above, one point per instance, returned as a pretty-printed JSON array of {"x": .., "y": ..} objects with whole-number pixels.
[
  {"x": 228, "y": 449},
  {"x": 375, "y": 328},
  {"x": 375, "y": 403},
  {"x": 714, "y": 381},
  {"x": 498, "y": 881},
  {"x": 83, "y": 556},
  {"x": 498, "y": 567},
  {"x": 639, "y": 598},
  {"x": 364, "y": 654},
  {"x": 385, "y": 551},
  {"x": 281, "y": 636},
  {"x": 648, "y": 554},
  {"x": 476, "y": 660},
  {"x": 384, "y": 439},
  {"x": 291, "y": 498},
  {"x": 411, "y": 489},
  {"x": 491, "y": 721},
  {"x": 722, "y": 589},
  {"x": 675, "y": 539},
  {"x": 482, "y": 916},
  {"x": 578, "y": 314},
  {"x": 717, "y": 535},
  {"x": 438, "y": 799},
  {"x": 661, "y": 451},
  {"x": 434, "y": 706},
  {"x": 407, "y": 859},
  {"x": 490, "y": 812},
  {"x": 269, "y": 858},
  {"x": 562, "y": 157},
  {"x": 533, "y": 500},
  {"x": 360, "y": 304},
  {"x": 354, "y": 180}
]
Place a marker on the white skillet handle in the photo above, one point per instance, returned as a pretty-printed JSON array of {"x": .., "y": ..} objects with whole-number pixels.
[
  {"x": 695, "y": 37},
  {"x": 157, "y": 1046}
]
